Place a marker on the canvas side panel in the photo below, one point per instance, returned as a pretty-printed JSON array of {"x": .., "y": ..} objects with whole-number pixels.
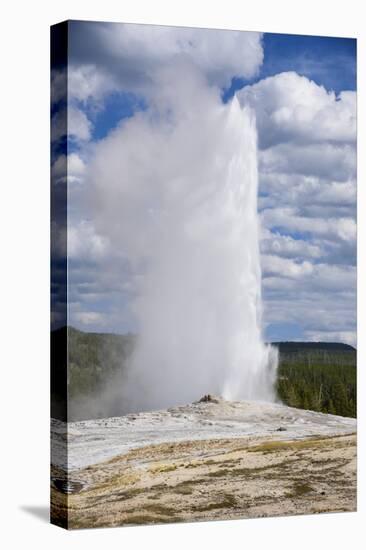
[{"x": 59, "y": 498}]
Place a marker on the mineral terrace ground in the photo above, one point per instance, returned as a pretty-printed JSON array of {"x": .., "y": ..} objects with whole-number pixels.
[{"x": 259, "y": 474}]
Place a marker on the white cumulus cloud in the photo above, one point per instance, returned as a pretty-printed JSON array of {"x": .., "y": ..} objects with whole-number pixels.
[
  {"x": 113, "y": 56},
  {"x": 292, "y": 108},
  {"x": 70, "y": 167}
]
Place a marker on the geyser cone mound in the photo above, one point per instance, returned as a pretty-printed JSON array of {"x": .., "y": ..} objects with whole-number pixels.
[
  {"x": 93, "y": 441},
  {"x": 208, "y": 398}
]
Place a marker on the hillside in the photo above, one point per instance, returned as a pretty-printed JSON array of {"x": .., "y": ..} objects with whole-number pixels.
[
  {"x": 287, "y": 347},
  {"x": 319, "y": 376}
]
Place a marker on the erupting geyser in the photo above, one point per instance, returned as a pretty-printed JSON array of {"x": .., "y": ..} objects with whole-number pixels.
[{"x": 180, "y": 203}]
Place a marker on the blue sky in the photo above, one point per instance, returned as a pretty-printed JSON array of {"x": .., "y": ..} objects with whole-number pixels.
[
  {"x": 329, "y": 61},
  {"x": 307, "y": 164},
  {"x": 116, "y": 107}
]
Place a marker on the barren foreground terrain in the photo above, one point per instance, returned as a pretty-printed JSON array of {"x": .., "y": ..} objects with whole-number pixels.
[{"x": 211, "y": 460}]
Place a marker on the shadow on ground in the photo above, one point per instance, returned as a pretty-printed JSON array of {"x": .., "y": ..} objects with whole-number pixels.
[{"x": 40, "y": 512}]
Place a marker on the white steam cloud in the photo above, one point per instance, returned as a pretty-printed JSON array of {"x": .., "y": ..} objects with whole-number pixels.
[{"x": 175, "y": 192}]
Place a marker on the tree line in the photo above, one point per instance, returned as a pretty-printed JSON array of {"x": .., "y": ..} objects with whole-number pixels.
[
  {"x": 319, "y": 380},
  {"x": 314, "y": 376}
]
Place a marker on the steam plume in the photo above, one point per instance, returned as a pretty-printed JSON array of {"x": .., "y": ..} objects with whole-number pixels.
[{"x": 176, "y": 194}]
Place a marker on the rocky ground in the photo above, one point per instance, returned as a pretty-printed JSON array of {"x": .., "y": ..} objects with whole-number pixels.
[{"x": 209, "y": 460}]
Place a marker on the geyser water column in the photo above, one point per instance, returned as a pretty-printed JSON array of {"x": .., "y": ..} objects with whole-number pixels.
[{"x": 176, "y": 189}]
